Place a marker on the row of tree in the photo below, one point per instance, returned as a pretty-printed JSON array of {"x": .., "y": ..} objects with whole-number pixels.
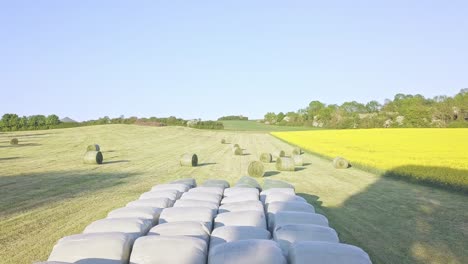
[
  {"x": 403, "y": 111},
  {"x": 13, "y": 122},
  {"x": 233, "y": 117}
]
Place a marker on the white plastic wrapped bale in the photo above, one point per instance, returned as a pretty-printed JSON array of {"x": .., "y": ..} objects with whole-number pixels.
[
  {"x": 265, "y": 193},
  {"x": 247, "y": 181},
  {"x": 241, "y": 206},
  {"x": 197, "y": 203},
  {"x": 240, "y": 190},
  {"x": 96, "y": 248},
  {"x": 252, "y": 251},
  {"x": 241, "y": 197},
  {"x": 169, "y": 194},
  {"x": 169, "y": 249},
  {"x": 216, "y": 190},
  {"x": 171, "y": 186},
  {"x": 242, "y": 218},
  {"x": 136, "y": 212},
  {"x": 52, "y": 262},
  {"x": 299, "y": 218},
  {"x": 191, "y": 182},
  {"x": 135, "y": 227},
  {"x": 183, "y": 214},
  {"x": 283, "y": 197},
  {"x": 192, "y": 229},
  {"x": 216, "y": 183},
  {"x": 202, "y": 196},
  {"x": 315, "y": 252},
  {"x": 226, "y": 234},
  {"x": 152, "y": 202},
  {"x": 285, "y": 235},
  {"x": 276, "y": 207}
]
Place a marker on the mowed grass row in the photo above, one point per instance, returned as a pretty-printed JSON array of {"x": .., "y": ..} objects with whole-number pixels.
[
  {"x": 431, "y": 155},
  {"x": 47, "y": 192}
]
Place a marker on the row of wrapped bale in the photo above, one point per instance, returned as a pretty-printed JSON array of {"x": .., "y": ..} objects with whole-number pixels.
[
  {"x": 303, "y": 235},
  {"x": 240, "y": 228},
  {"x": 110, "y": 240}
]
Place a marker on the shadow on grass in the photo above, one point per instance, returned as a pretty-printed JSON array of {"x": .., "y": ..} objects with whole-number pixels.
[
  {"x": 10, "y": 158},
  {"x": 270, "y": 173},
  {"x": 246, "y": 154},
  {"x": 307, "y": 164},
  {"x": 206, "y": 164},
  {"x": 115, "y": 161},
  {"x": 22, "y": 145},
  {"x": 29, "y": 191},
  {"x": 299, "y": 169}
]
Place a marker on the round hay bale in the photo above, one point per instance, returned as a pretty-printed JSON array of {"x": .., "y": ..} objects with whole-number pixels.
[
  {"x": 189, "y": 160},
  {"x": 297, "y": 151},
  {"x": 93, "y": 157},
  {"x": 223, "y": 141},
  {"x": 340, "y": 163},
  {"x": 298, "y": 160},
  {"x": 256, "y": 169},
  {"x": 14, "y": 141},
  {"x": 235, "y": 146},
  {"x": 279, "y": 154},
  {"x": 266, "y": 157},
  {"x": 94, "y": 147},
  {"x": 237, "y": 151},
  {"x": 285, "y": 164}
]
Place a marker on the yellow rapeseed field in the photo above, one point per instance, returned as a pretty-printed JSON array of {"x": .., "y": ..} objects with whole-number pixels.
[{"x": 431, "y": 155}]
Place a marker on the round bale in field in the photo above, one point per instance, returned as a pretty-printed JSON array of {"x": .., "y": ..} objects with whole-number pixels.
[
  {"x": 256, "y": 169},
  {"x": 235, "y": 146},
  {"x": 237, "y": 151},
  {"x": 297, "y": 151},
  {"x": 93, "y": 157},
  {"x": 279, "y": 154},
  {"x": 298, "y": 161},
  {"x": 266, "y": 157},
  {"x": 340, "y": 163},
  {"x": 14, "y": 141},
  {"x": 94, "y": 147},
  {"x": 223, "y": 141},
  {"x": 189, "y": 160},
  {"x": 285, "y": 164}
]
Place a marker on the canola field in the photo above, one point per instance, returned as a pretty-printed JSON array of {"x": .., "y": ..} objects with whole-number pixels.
[{"x": 437, "y": 156}]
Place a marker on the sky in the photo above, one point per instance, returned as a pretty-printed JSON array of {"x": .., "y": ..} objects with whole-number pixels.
[{"x": 204, "y": 59}]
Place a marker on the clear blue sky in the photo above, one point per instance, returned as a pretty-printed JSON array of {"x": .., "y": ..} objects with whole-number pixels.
[{"x": 88, "y": 59}]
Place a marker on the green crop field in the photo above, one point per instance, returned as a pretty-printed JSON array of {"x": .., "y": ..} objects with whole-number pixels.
[
  {"x": 241, "y": 125},
  {"x": 46, "y": 192}
]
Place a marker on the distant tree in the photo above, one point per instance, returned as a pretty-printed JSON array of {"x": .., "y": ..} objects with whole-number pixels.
[
  {"x": 373, "y": 106},
  {"x": 314, "y": 108},
  {"x": 280, "y": 117},
  {"x": 270, "y": 117},
  {"x": 52, "y": 120}
]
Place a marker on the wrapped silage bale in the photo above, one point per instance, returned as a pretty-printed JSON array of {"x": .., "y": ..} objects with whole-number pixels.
[
  {"x": 202, "y": 196},
  {"x": 191, "y": 229},
  {"x": 216, "y": 190},
  {"x": 283, "y": 197},
  {"x": 315, "y": 252},
  {"x": 249, "y": 181},
  {"x": 152, "y": 202},
  {"x": 269, "y": 183},
  {"x": 136, "y": 227},
  {"x": 170, "y": 194},
  {"x": 227, "y": 234},
  {"x": 285, "y": 235},
  {"x": 86, "y": 248},
  {"x": 216, "y": 183},
  {"x": 241, "y": 206},
  {"x": 137, "y": 212},
  {"x": 247, "y": 251},
  {"x": 297, "y": 218},
  {"x": 242, "y": 197},
  {"x": 239, "y": 190},
  {"x": 191, "y": 182},
  {"x": 265, "y": 193},
  {"x": 241, "y": 218},
  {"x": 183, "y": 214},
  {"x": 276, "y": 207},
  {"x": 169, "y": 249},
  {"x": 197, "y": 203},
  {"x": 171, "y": 186}
]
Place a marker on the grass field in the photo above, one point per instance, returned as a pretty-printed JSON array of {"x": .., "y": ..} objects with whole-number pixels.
[
  {"x": 241, "y": 125},
  {"x": 47, "y": 193},
  {"x": 430, "y": 155}
]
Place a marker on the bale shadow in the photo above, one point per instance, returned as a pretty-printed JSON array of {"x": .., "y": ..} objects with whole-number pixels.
[
  {"x": 312, "y": 199},
  {"x": 206, "y": 164},
  {"x": 22, "y": 145},
  {"x": 108, "y": 151},
  {"x": 115, "y": 161},
  {"x": 246, "y": 154},
  {"x": 306, "y": 164},
  {"x": 271, "y": 173},
  {"x": 299, "y": 169},
  {"x": 10, "y": 158}
]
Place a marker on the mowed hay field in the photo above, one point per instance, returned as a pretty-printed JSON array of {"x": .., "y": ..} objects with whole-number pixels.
[
  {"x": 431, "y": 155},
  {"x": 46, "y": 192}
]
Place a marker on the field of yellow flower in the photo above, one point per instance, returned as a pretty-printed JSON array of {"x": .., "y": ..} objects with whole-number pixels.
[{"x": 438, "y": 156}]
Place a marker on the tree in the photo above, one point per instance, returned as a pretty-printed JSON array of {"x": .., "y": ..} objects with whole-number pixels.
[
  {"x": 280, "y": 117},
  {"x": 373, "y": 106},
  {"x": 353, "y": 107},
  {"x": 314, "y": 108},
  {"x": 52, "y": 120},
  {"x": 270, "y": 117}
]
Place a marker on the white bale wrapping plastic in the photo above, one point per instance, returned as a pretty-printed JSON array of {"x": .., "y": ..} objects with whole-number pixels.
[
  {"x": 299, "y": 218},
  {"x": 135, "y": 227},
  {"x": 241, "y": 206},
  {"x": 241, "y": 197},
  {"x": 314, "y": 252},
  {"x": 265, "y": 193},
  {"x": 252, "y": 251},
  {"x": 197, "y": 203},
  {"x": 183, "y": 214},
  {"x": 216, "y": 183},
  {"x": 287, "y": 234},
  {"x": 242, "y": 218},
  {"x": 283, "y": 197},
  {"x": 216, "y": 190},
  {"x": 276, "y": 207},
  {"x": 136, "y": 212},
  {"x": 192, "y": 229},
  {"x": 239, "y": 190},
  {"x": 52, "y": 262},
  {"x": 171, "y": 186},
  {"x": 202, "y": 196},
  {"x": 152, "y": 202},
  {"x": 169, "y": 249},
  {"x": 191, "y": 182},
  {"x": 226, "y": 234},
  {"x": 169, "y": 194},
  {"x": 96, "y": 248}
]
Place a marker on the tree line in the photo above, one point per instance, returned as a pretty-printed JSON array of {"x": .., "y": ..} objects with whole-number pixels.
[{"x": 404, "y": 110}]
